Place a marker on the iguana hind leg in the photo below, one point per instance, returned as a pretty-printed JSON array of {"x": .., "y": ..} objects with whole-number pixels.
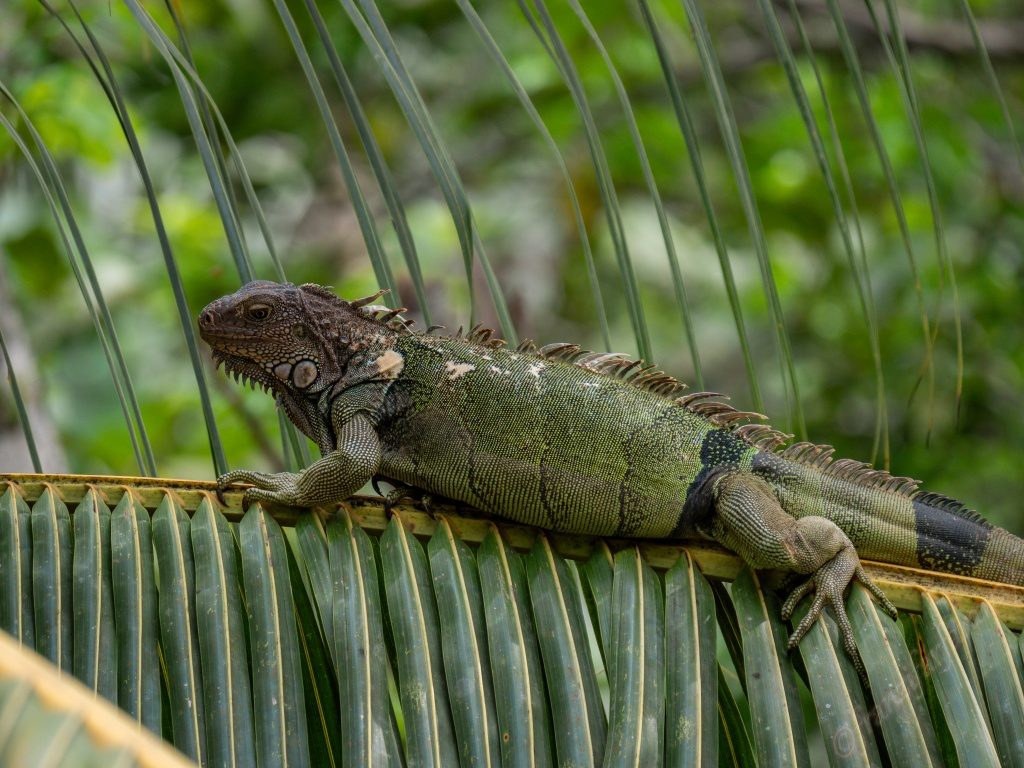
[
  {"x": 749, "y": 519},
  {"x": 333, "y": 478}
]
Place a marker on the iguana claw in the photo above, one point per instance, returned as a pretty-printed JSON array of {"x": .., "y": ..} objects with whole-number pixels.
[{"x": 247, "y": 499}]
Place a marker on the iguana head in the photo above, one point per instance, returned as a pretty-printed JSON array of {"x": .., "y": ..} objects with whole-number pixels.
[{"x": 292, "y": 339}]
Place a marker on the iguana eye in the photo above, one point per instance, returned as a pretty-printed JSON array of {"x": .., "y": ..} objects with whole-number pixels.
[{"x": 258, "y": 312}]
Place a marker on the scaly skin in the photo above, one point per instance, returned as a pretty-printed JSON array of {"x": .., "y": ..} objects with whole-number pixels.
[{"x": 581, "y": 444}]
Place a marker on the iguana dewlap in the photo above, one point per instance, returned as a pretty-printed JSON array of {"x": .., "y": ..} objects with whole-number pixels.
[{"x": 576, "y": 442}]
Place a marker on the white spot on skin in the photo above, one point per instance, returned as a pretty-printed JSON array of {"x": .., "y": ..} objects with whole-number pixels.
[
  {"x": 390, "y": 364},
  {"x": 304, "y": 374},
  {"x": 457, "y": 370},
  {"x": 591, "y": 384},
  {"x": 535, "y": 370}
]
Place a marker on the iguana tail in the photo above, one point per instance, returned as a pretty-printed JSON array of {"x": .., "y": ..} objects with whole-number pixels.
[
  {"x": 953, "y": 538},
  {"x": 890, "y": 519},
  {"x": 1003, "y": 559}
]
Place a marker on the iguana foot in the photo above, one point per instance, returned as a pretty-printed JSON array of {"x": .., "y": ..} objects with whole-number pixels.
[
  {"x": 325, "y": 482},
  {"x": 829, "y": 583},
  {"x": 281, "y": 488},
  {"x": 401, "y": 491},
  {"x": 407, "y": 492},
  {"x": 750, "y": 520}
]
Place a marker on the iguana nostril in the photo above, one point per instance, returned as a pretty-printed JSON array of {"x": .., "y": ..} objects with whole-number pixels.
[{"x": 206, "y": 318}]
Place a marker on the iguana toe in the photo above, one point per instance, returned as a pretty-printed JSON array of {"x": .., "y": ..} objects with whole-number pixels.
[
  {"x": 400, "y": 491},
  {"x": 876, "y": 590},
  {"x": 260, "y": 495},
  {"x": 395, "y": 495},
  {"x": 798, "y": 594},
  {"x": 228, "y": 479}
]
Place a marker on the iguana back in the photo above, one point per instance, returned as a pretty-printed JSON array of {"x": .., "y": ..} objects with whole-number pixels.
[{"x": 539, "y": 440}]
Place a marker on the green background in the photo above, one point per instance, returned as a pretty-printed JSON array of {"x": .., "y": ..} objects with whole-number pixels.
[{"x": 970, "y": 448}]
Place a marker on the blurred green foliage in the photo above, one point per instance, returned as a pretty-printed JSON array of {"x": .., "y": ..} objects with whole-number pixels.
[{"x": 971, "y": 449}]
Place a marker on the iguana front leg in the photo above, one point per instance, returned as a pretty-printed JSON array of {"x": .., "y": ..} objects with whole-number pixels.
[
  {"x": 749, "y": 520},
  {"x": 331, "y": 479}
]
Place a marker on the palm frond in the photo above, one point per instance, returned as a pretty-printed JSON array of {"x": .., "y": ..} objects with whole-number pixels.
[
  {"x": 506, "y": 643},
  {"x": 51, "y": 719}
]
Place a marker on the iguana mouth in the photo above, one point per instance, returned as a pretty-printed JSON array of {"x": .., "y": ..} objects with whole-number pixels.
[{"x": 210, "y": 335}]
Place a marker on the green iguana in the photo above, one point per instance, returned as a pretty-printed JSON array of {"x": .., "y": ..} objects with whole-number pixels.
[{"x": 579, "y": 442}]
